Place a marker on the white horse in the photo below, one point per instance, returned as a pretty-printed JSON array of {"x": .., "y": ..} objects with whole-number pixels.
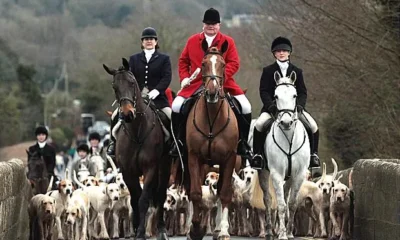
[{"x": 288, "y": 154}]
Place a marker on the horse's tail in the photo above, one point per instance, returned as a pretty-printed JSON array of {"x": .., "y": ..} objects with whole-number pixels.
[{"x": 256, "y": 193}]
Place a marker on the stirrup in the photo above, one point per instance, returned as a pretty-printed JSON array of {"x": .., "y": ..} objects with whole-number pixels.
[
  {"x": 257, "y": 162},
  {"x": 314, "y": 161}
]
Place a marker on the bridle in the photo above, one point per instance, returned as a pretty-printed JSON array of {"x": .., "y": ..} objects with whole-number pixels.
[
  {"x": 215, "y": 79},
  {"x": 290, "y": 112}
]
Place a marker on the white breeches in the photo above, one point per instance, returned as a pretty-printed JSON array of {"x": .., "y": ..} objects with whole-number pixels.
[
  {"x": 167, "y": 111},
  {"x": 242, "y": 99},
  {"x": 263, "y": 118}
]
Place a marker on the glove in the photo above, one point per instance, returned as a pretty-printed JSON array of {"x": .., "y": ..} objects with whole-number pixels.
[
  {"x": 185, "y": 82},
  {"x": 300, "y": 109},
  {"x": 273, "y": 109},
  {"x": 153, "y": 94}
]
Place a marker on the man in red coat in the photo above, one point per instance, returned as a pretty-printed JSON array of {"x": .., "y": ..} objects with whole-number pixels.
[{"x": 191, "y": 58}]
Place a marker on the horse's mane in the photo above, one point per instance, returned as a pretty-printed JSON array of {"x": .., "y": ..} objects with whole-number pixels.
[
  {"x": 213, "y": 50},
  {"x": 36, "y": 165},
  {"x": 285, "y": 80}
]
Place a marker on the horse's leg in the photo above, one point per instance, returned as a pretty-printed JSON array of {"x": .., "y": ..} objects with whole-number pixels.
[
  {"x": 297, "y": 181},
  {"x": 135, "y": 192},
  {"x": 263, "y": 176},
  {"x": 195, "y": 171},
  {"x": 225, "y": 193},
  {"x": 278, "y": 186},
  {"x": 164, "y": 174},
  {"x": 144, "y": 202}
]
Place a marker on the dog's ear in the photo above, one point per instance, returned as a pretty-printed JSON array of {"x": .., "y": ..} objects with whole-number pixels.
[
  {"x": 96, "y": 182},
  {"x": 79, "y": 212},
  {"x": 333, "y": 184}
]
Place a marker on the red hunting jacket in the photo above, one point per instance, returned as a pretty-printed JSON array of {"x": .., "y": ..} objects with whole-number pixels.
[{"x": 192, "y": 57}]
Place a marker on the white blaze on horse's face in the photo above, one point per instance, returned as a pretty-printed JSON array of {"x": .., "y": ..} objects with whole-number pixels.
[
  {"x": 285, "y": 96},
  {"x": 213, "y": 61}
]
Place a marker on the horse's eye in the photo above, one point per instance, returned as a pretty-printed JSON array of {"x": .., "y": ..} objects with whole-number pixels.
[
  {"x": 275, "y": 96},
  {"x": 295, "y": 96}
]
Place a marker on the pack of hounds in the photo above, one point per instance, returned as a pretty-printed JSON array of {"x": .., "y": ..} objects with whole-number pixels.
[{"x": 98, "y": 207}]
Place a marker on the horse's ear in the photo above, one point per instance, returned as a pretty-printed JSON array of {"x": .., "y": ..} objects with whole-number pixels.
[
  {"x": 224, "y": 47},
  {"x": 125, "y": 63},
  {"x": 293, "y": 76},
  {"x": 204, "y": 45},
  {"x": 109, "y": 70},
  {"x": 277, "y": 76}
]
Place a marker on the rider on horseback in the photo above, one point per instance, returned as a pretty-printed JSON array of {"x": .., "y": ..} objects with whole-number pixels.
[
  {"x": 44, "y": 149},
  {"x": 152, "y": 71},
  {"x": 282, "y": 48},
  {"x": 191, "y": 59}
]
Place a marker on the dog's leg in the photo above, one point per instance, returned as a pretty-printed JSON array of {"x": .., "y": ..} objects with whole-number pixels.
[
  {"x": 41, "y": 229},
  {"x": 336, "y": 229},
  {"x": 344, "y": 235},
  {"x": 59, "y": 227},
  {"x": 115, "y": 231},
  {"x": 103, "y": 229}
]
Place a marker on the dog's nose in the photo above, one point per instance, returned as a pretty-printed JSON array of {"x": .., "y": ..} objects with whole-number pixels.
[
  {"x": 116, "y": 198},
  {"x": 68, "y": 191},
  {"x": 248, "y": 179},
  {"x": 338, "y": 199},
  {"x": 48, "y": 211},
  {"x": 207, "y": 182},
  {"x": 69, "y": 222}
]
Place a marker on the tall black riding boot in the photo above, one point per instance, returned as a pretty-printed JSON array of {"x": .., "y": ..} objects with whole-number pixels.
[
  {"x": 111, "y": 146},
  {"x": 176, "y": 119},
  {"x": 257, "y": 161},
  {"x": 314, "y": 161},
  {"x": 244, "y": 149}
]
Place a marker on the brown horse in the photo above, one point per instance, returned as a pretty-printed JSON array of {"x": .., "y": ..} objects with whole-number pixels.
[
  {"x": 140, "y": 150},
  {"x": 37, "y": 173},
  {"x": 212, "y": 137}
]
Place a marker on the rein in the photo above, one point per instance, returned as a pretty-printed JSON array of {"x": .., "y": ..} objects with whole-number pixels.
[{"x": 290, "y": 153}]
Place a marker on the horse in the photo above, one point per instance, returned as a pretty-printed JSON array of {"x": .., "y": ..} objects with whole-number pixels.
[
  {"x": 288, "y": 155},
  {"x": 37, "y": 173},
  {"x": 140, "y": 133},
  {"x": 212, "y": 137}
]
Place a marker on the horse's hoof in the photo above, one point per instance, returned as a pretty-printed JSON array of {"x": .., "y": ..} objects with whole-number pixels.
[
  {"x": 215, "y": 234},
  {"x": 224, "y": 237},
  {"x": 269, "y": 237},
  {"x": 162, "y": 236}
]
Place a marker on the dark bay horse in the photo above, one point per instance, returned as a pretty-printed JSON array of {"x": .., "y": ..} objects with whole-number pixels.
[
  {"x": 140, "y": 150},
  {"x": 37, "y": 173},
  {"x": 212, "y": 137}
]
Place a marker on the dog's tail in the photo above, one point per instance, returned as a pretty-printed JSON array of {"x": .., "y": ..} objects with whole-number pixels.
[
  {"x": 66, "y": 173},
  {"x": 77, "y": 182},
  {"x": 323, "y": 172},
  {"x": 50, "y": 184},
  {"x": 257, "y": 195},
  {"x": 335, "y": 169},
  {"x": 114, "y": 167}
]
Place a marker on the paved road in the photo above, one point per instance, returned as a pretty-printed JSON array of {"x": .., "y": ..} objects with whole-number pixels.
[{"x": 240, "y": 238}]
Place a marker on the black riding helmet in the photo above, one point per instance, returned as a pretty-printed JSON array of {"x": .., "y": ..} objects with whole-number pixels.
[
  {"x": 149, "y": 32},
  {"x": 41, "y": 130},
  {"x": 281, "y": 43},
  {"x": 94, "y": 135},
  {"x": 83, "y": 147}
]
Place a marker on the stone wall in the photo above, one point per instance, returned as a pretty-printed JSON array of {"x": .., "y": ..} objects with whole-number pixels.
[
  {"x": 377, "y": 199},
  {"x": 15, "y": 192}
]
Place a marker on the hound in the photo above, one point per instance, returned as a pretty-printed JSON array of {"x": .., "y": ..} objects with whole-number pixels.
[
  {"x": 77, "y": 213},
  {"x": 42, "y": 208},
  {"x": 65, "y": 188},
  {"x": 339, "y": 210}
]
